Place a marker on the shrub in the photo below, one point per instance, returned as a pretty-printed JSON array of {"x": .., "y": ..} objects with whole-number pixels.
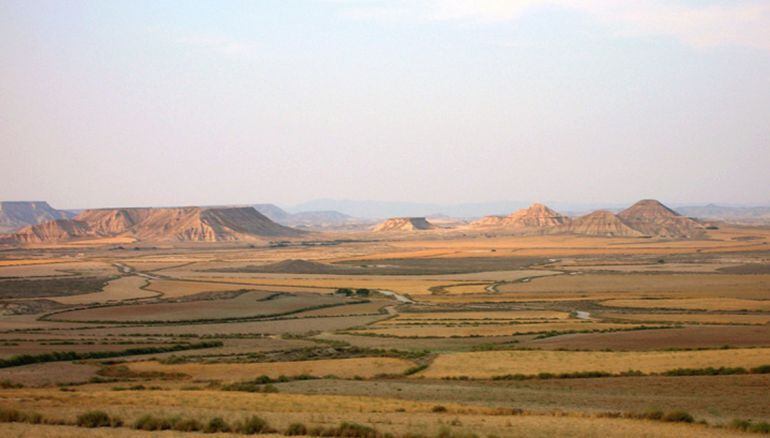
[
  {"x": 439, "y": 408},
  {"x": 270, "y": 389},
  {"x": 7, "y": 384},
  {"x": 253, "y": 425},
  {"x": 10, "y": 415},
  {"x": 678, "y": 417},
  {"x": 94, "y": 419},
  {"x": 217, "y": 424},
  {"x": 748, "y": 426},
  {"x": 296, "y": 429},
  {"x": 14, "y": 416},
  {"x": 355, "y": 430},
  {"x": 188, "y": 425},
  {"x": 415, "y": 369},
  {"x": 762, "y": 369},
  {"x": 149, "y": 422}
]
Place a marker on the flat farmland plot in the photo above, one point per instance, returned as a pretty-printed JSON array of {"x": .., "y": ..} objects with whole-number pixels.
[
  {"x": 246, "y": 305},
  {"x": 291, "y": 324},
  {"x": 494, "y": 315},
  {"x": 680, "y": 285},
  {"x": 231, "y": 372},
  {"x": 699, "y": 336},
  {"x": 443, "y": 331},
  {"x": 699, "y": 318},
  {"x": 123, "y": 288},
  {"x": 177, "y": 289},
  {"x": 497, "y": 363},
  {"x": 728, "y": 304}
]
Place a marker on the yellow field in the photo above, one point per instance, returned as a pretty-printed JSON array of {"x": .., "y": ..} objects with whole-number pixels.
[
  {"x": 669, "y": 285},
  {"x": 230, "y": 372},
  {"x": 176, "y": 289},
  {"x": 495, "y": 363},
  {"x": 722, "y": 240},
  {"x": 714, "y": 318},
  {"x": 491, "y": 315},
  {"x": 21, "y": 262},
  {"x": 426, "y": 331},
  {"x": 123, "y": 288},
  {"x": 53, "y": 267},
  {"x": 387, "y": 415},
  {"x": 729, "y": 304},
  {"x": 403, "y": 286}
]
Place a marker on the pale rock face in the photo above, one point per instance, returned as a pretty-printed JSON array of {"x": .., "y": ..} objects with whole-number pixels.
[
  {"x": 645, "y": 218},
  {"x": 183, "y": 224},
  {"x": 652, "y": 218},
  {"x": 404, "y": 224},
  {"x": 536, "y": 217},
  {"x": 601, "y": 223}
]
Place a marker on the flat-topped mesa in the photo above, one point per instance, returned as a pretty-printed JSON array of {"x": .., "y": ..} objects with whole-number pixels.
[
  {"x": 537, "y": 217},
  {"x": 600, "y": 223},
  {"x": 177, "y": 224},
  {"x": 404, "y": 224},
  {"x": 652, "y": 218}
]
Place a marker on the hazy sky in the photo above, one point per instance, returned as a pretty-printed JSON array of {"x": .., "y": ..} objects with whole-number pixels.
[{"x": 109, "y": 103}]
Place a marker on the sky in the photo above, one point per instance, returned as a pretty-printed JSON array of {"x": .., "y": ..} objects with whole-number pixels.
[{"x": 151, "y": 103}]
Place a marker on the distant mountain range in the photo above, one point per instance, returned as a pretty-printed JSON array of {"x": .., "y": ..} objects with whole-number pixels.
[
  {"x": 362, "y": 215},
  {"x": 741, "y": 215},
  {"x": 377, "y": 210},
  {"x": 313, "y": 220},
  {"x": 18, "y": 214},
  {"x": 646, "y": 218}
]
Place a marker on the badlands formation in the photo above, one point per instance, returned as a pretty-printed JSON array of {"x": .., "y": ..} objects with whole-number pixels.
[
  {"x": 183, "y": 224},
  {"x": 645, "y": 218},
  {"x": 404, "y": 224}
]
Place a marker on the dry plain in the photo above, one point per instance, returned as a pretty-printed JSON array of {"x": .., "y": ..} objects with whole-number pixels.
[{"x": 198, "y": 332}]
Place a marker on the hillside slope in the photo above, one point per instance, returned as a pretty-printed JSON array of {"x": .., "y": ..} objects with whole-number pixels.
[
  {"x": 182, "y": 224},
  {"x": 652, "y": 218},
  {"x": 404, "y": 224}
]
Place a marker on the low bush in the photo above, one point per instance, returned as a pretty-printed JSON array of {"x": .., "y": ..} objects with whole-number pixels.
[
  {"x": 94, "y": 419},
  {"x": 253, "y": 425},
  {"x": 296, "y": 429},
  {"x": 438, "y": 408},
  {"x": 15, "y": 416},
  {"x": 710, "y": 371},
  {"x": 749, "y": 426},
  {"x": 345, "y": 429},
  {"x": 7, "y": 384},
  {"x": 217, "y": 424},
  {"x": 678, "y": 417},
  {"x": 188, "y": 425},
  {"x": 150, "y": 422}
]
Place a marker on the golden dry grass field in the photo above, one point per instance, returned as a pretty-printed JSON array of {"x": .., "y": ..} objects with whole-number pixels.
[
  {"x": 498, "y": 363},
  {"x": 471, "y": 306},
  {"x": 697, "y": 318},
  {"x": 230, "y": 372}
]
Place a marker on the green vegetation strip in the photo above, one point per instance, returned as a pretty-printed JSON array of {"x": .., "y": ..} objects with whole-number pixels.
[{"x": 26, "y": 359}]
